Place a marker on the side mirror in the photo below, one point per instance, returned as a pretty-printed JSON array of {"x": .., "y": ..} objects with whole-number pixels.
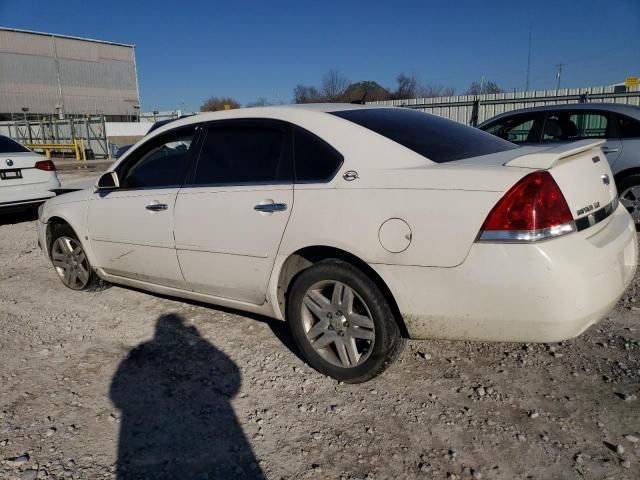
[{"x": 108, "y": 181}]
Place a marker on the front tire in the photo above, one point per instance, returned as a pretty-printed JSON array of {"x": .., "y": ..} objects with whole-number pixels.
[
  {"x": 70, "y": 261},
  {"x": 342, "y": 323}
]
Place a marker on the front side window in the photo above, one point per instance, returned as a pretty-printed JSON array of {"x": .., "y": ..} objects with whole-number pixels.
[
  {"x": 243, "y": 154},
  {"x": 568, "y": 126},
  {"x": 163, "y": 162},
  {"x": 436, "y": 138},
  {"x": 516, "y": 129},
  {"x": 8, "y": 145},
  {"x": 628, "y": 127}
]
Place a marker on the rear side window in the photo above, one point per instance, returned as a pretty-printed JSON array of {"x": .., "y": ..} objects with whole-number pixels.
[
  {"x": 8, "y": 145},
  {"x": 315, "y": 160},
  {"x": 237, "y": 155},
  {"x": 433, "y": 137},
  {"x": 628, "y": 127}
]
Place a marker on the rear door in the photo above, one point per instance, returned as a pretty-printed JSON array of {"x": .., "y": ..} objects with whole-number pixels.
[
  {"x": 571, "y": 125},
  {"x": 232, "y": 213}
]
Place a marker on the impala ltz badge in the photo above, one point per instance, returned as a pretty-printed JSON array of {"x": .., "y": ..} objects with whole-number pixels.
[
  {"x": 605, "y": 179},
  {"x": 9, "y": 162}
]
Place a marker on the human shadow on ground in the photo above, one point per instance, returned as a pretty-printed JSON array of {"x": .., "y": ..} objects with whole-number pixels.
[{"x": 174, "y": 393}]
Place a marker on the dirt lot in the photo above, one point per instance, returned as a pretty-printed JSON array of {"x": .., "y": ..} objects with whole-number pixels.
[{"x": 125, "y": 384}]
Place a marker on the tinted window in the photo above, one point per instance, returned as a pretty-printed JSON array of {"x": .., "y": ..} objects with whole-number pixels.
[
  {"x": 162, "y": 163},
  {"x": 516, "y": 129},
  {"x": 567, "y": 126},
  {"x": 233, "y": 155},
  {"x": 8, "y": 145},
  {"x": 315, "y": 160},
  {"x": 436, "y": 138},
  {"x": 628, "y": 127}
]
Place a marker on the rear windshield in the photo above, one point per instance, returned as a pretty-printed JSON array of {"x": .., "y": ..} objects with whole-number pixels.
[
  {"x": 433, "y": 137},
  {"x": 10, "y": 146}
]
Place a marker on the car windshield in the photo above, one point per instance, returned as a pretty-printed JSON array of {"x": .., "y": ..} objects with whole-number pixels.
[
  {"x": 436, "y": 138},
  {"x": 8, "y": 145}
]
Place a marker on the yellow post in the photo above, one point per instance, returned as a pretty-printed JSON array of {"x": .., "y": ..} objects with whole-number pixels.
[
  {"x": 84, "y": 152},
  {"x": 47, "y": 152}
]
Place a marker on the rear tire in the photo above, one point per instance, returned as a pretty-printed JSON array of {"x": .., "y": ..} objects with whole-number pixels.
[
  {"x": 342, "y": 323},
  {"x": 629, "y": 192},
  {"x": 70, "y": 261}
]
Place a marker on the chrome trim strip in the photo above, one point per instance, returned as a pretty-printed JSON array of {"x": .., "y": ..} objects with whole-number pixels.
[
  {"x": 526, "y": 236},
  {"x": 596, "y": 217}
]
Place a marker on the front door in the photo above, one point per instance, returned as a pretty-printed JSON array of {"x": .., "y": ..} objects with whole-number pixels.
[
  {"x": 231, "y": 215},
  {"x": 131, "y": 227}
]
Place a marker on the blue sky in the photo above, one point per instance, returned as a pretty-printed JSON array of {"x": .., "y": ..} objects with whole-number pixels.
[{"x": 189, "y": 50}]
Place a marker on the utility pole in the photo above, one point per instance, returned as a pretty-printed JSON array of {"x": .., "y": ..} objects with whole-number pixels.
[
  {"x": 559, "y": 74},
  {"x": 481, "y": 84},
  {"x": 528, "y": 62}
]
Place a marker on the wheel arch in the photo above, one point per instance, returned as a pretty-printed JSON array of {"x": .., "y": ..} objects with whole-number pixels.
[
  {"x": 305, "y": 257},
  {"x": 618, "y": 177},
  {"x": 57, "y": 219}
]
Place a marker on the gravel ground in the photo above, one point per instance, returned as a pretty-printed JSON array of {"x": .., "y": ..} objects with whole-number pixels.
[{"x": 125, "y": 384}]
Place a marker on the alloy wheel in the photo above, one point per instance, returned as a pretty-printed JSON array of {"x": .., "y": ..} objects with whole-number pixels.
[
  {"x": 70, "y": 262},
  {"x": 630, "y": 199},
  {"x": 338, "y": 324}
]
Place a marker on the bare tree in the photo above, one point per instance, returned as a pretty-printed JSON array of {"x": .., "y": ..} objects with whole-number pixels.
[
  {"x": 306, "y": 94},
  {"x": 481, "y": 89},
  {"x": 430, "y": 90},
  {"x": 407, "y": 87},
  {"x": 213, "y": 104},
  {"x": 260, "y": 102},
  {"x": 333, "y": 85}
]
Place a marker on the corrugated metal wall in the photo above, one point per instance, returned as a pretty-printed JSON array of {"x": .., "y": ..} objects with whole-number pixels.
[
  {"x": 92, "y": 76},
  {"x": 459, "y": 108}
]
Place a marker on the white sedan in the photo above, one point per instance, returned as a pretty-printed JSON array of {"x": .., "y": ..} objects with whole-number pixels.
[
  {"x": 359, "y": 226},
  {"x": 26, "y": 178}
]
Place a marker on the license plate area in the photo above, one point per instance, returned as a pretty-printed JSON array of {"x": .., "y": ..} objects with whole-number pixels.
[{"x": 10, "y": 174}]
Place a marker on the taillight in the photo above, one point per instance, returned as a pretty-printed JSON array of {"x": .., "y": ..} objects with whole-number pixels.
[
  {"x": 46, "y": 165},
  {"x": 533, "y": 209}
]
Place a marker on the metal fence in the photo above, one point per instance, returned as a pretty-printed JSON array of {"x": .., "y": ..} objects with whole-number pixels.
[
  {"x": 47, "y": 130},
  {"x": 460, "y": 108}
]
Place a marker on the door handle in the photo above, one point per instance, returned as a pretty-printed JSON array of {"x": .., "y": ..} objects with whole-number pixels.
[
  {"x": 270, "y": 207},
  {"x": 157, "y": 207},
  {"x": 609, "y": 150}
]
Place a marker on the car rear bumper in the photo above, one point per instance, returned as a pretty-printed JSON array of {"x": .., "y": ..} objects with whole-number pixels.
[
  {"x": 16, "y": 196},
  {"x": 544, "y": 292},
  {"x": 8, "y": 207}
]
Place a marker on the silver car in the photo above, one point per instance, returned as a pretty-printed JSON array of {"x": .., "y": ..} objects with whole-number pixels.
[{"x": 618, "y": 124}]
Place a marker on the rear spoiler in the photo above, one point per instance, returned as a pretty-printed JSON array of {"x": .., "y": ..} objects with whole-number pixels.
[{"x": 545, "y": 159}]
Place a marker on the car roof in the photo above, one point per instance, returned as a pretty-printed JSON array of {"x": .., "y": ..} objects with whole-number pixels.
[
  {"x": 265, "y": 112},
  {"x": 629, "y": 110}
]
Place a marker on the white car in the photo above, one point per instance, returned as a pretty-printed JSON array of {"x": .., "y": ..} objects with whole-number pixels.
[
  {"x": 26, "y": 178},
  {"x": 359, "y": 226}
]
